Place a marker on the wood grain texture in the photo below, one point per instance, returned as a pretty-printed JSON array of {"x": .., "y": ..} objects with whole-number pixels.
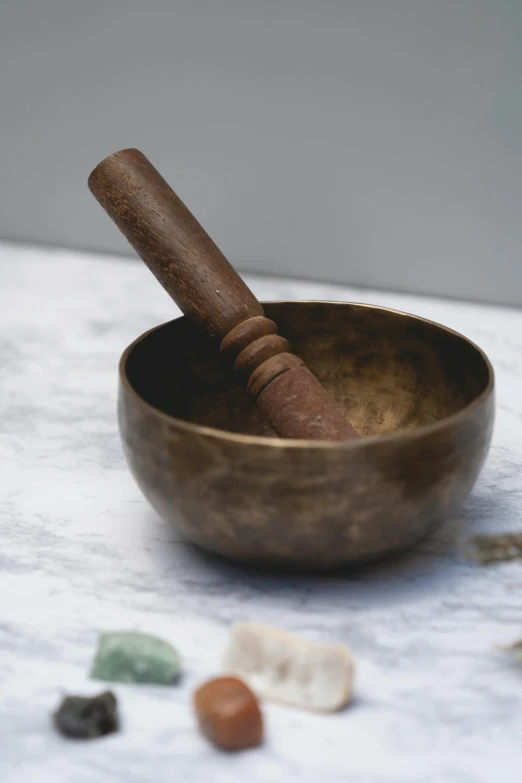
[
  {"x": 172, "y": 243},
  {"x": 206, "y": 287},
  {"x": 277, "y": 401}
]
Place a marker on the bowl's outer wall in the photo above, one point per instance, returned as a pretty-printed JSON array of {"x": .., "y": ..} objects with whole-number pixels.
[{"x": 311, "y": 506}]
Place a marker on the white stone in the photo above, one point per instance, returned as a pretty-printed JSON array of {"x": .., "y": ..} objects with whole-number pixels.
[{"x": 286, "y": 668}]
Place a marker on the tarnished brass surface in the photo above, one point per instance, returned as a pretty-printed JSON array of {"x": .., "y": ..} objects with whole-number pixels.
[{"x": 206, "y": 461}]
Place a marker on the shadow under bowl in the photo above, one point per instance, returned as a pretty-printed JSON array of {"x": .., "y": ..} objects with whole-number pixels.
[{"x": 421, "y": 394}]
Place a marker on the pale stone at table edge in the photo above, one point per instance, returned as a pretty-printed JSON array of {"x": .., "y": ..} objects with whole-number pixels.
[{"x": 285, "y": 668}]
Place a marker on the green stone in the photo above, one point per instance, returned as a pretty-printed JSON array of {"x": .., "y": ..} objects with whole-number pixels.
[{"x": 135, "y": 657}]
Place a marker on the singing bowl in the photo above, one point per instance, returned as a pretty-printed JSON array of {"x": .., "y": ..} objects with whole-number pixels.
[{"x": 421, "y": 395}]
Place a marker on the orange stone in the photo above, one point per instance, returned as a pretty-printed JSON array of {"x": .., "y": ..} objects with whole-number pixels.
[{"x": 228, "y": 713}]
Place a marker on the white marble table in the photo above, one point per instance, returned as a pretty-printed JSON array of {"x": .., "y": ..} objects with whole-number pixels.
[{"x": 82, "y": 551}]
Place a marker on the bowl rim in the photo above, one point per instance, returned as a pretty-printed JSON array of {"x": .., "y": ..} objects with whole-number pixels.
[{"x": 294, "y": 443}]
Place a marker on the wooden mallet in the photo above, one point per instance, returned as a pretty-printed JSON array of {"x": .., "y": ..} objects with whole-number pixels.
[{"x": 206, "y": 288}]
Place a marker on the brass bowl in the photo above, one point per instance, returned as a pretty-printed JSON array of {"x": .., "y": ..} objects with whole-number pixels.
[{"x": 202, "y": 455}]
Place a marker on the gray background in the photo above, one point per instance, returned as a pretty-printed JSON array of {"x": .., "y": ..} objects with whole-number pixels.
[{"x": 375, "y": 142}]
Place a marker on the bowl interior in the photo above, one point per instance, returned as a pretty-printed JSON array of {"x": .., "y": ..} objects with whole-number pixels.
[{"x": 389, "y": 371}]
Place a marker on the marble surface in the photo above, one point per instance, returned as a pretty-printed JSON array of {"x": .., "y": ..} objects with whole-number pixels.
[{"x": 82, "y": 551}]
